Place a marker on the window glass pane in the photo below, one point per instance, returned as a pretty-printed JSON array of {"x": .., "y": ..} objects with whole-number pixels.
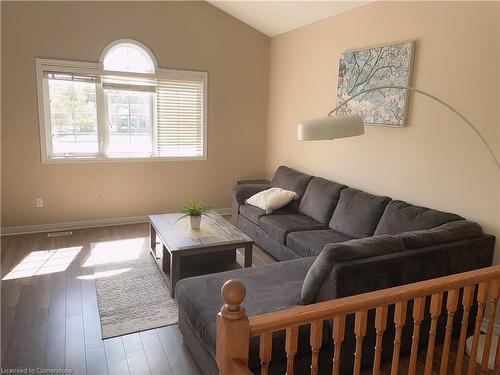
[
  {"x": 128, "y": 57},
  {"x": 130, "y": 122},
  {"x": 73, "y": 114}
]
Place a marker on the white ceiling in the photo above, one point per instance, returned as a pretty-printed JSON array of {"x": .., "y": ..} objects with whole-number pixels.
[{"x": 276, "y": 17}]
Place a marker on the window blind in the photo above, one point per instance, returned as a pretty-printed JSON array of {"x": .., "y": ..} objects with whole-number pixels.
[
  {"x": 128, "y": 84},
  {"x": 180, "y": 117},
  {"x": 75, "y": 77}
]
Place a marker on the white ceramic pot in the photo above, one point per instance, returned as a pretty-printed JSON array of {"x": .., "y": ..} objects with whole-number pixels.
[{"x": 195, "y": 222}]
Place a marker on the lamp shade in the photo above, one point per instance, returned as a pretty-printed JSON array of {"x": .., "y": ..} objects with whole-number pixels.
[{"x": 330, "y": 128}]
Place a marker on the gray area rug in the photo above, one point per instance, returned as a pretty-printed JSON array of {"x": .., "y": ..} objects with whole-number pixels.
[{"x": 132, "y": 294}]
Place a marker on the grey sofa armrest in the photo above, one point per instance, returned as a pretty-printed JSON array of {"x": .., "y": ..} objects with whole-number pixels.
[
  {"x": 390, "y": 270},
  {"x": 242, "y": 192},
  {"x": 338, "y": 253}
]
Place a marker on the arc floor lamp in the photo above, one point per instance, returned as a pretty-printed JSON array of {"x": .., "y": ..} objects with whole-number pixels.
[
  {"x": 349, "y": 126},
  {"x": 331, "y": 127}
]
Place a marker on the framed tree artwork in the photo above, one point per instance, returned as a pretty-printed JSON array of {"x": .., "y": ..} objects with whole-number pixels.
[{"x": 373, "y": 67}]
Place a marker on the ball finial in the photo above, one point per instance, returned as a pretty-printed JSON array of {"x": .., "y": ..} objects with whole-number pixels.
[{"x": 233, "y": 293}]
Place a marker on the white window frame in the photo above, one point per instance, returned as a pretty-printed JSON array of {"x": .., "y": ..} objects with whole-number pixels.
[{"x": 43, "y": 65}]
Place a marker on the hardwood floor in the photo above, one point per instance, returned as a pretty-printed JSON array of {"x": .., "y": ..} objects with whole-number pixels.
[{"x": 49, "y": 318}]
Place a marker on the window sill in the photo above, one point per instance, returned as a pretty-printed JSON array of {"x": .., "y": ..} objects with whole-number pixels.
[{"x": 117, "y": 159}]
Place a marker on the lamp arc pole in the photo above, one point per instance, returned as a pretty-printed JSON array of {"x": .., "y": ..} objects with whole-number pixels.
[{"x": 425, "y": 93}]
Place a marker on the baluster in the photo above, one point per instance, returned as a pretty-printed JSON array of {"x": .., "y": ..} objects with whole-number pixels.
[
  {"x": 482, "y": 295},
  {"x": 451, "y": 307},
  {"x": 491, "y": 323},
  {"x": 497, "y": 358},
  {"x": 265, "y": 351},
  {"x": 418, "y": 316},
  {"x": 435, "y": 311},
  {"x": 360, "y": 332},
  {"x": 399, "y": 322},
  {"x": 315, "y": 341},
  {"x": 292, "y": 334},
  {"x": 467, "y": 300},
  {"x": 380, "y": 326},
  {"x": 338, "y": 338}
]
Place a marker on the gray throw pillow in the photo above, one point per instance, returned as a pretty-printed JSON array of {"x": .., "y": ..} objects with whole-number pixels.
[
  {"x": 402, "y": 217},
  {"x": 449, "y": 232}
]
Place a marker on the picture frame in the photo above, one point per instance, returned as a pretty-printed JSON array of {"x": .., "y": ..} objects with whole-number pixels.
[{"x": 369, "y": 67}]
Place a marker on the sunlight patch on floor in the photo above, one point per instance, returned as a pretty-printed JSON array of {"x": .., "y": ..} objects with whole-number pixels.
[
  {"x": 99, "y": 275},
  {"x": 44, "y": 262},
  {"x": 114, "y": 251}
]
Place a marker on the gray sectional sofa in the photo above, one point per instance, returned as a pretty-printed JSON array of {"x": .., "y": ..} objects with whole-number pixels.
[{"x": 333, "y": 242}]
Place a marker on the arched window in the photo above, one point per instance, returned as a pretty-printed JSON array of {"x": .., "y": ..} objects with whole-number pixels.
[
  {"x": 123, "y": 106},
  {"x": 129, "y": 100},
  {"x": 128, "y": 56}
]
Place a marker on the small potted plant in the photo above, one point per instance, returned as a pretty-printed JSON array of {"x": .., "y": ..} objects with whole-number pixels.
[{"x": 194, "y": 210}]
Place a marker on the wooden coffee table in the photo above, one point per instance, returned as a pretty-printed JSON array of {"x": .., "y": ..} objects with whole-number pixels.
[{"x": 182, "y": 252}]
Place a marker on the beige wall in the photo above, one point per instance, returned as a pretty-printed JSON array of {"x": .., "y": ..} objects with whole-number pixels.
[
  {"x": 185, "y": 35},
  {"x": 436, "y": 161}
]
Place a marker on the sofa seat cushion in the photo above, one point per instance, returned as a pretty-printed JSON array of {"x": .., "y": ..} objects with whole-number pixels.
[
  {"x": 320, "y": 199},
  {"x": 449, "y": 232},
  {"x": 269, "y": 288},
  {"x": 253, "y": 213},
  {"x": 402, "y": 217},
  {"x": 334, "y": 254},
  {"x": 358, "y": 213},
  {"x": 278, "y": 226},
  {"x": 311, "y": 242}
]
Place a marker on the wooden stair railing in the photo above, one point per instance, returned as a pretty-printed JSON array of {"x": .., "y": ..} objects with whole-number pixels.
[{"x": 234, "y": 328}]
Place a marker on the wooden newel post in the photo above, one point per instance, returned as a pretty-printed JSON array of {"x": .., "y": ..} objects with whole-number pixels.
[{"x": 232, "y": 329}]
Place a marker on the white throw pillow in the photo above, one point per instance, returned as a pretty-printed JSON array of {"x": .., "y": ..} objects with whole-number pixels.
[{"x": 272, "y": 199}]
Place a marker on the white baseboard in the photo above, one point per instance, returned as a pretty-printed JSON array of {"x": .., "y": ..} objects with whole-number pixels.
[
  {"x": 224, "y": 211},
  {"x": 26, "y": 229},
  {"x": 40, "y": 228}
]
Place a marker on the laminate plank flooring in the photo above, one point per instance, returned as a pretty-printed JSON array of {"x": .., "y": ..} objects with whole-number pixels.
[
  {"x": 116, "y": 358},
  {"x": 51, "y": 320},
  {"x": 50, "y": 317}
]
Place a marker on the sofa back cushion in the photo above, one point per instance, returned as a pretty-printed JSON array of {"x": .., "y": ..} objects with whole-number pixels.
[
  {"x": 358, "y": 213},
  {"x": 290, "y": 179},
  {"x": 402, "y": 217},
  {"x": 345, "y": 252},
  {"x": 320, "y": 199},
  {"x": 449, "y": 232}
]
